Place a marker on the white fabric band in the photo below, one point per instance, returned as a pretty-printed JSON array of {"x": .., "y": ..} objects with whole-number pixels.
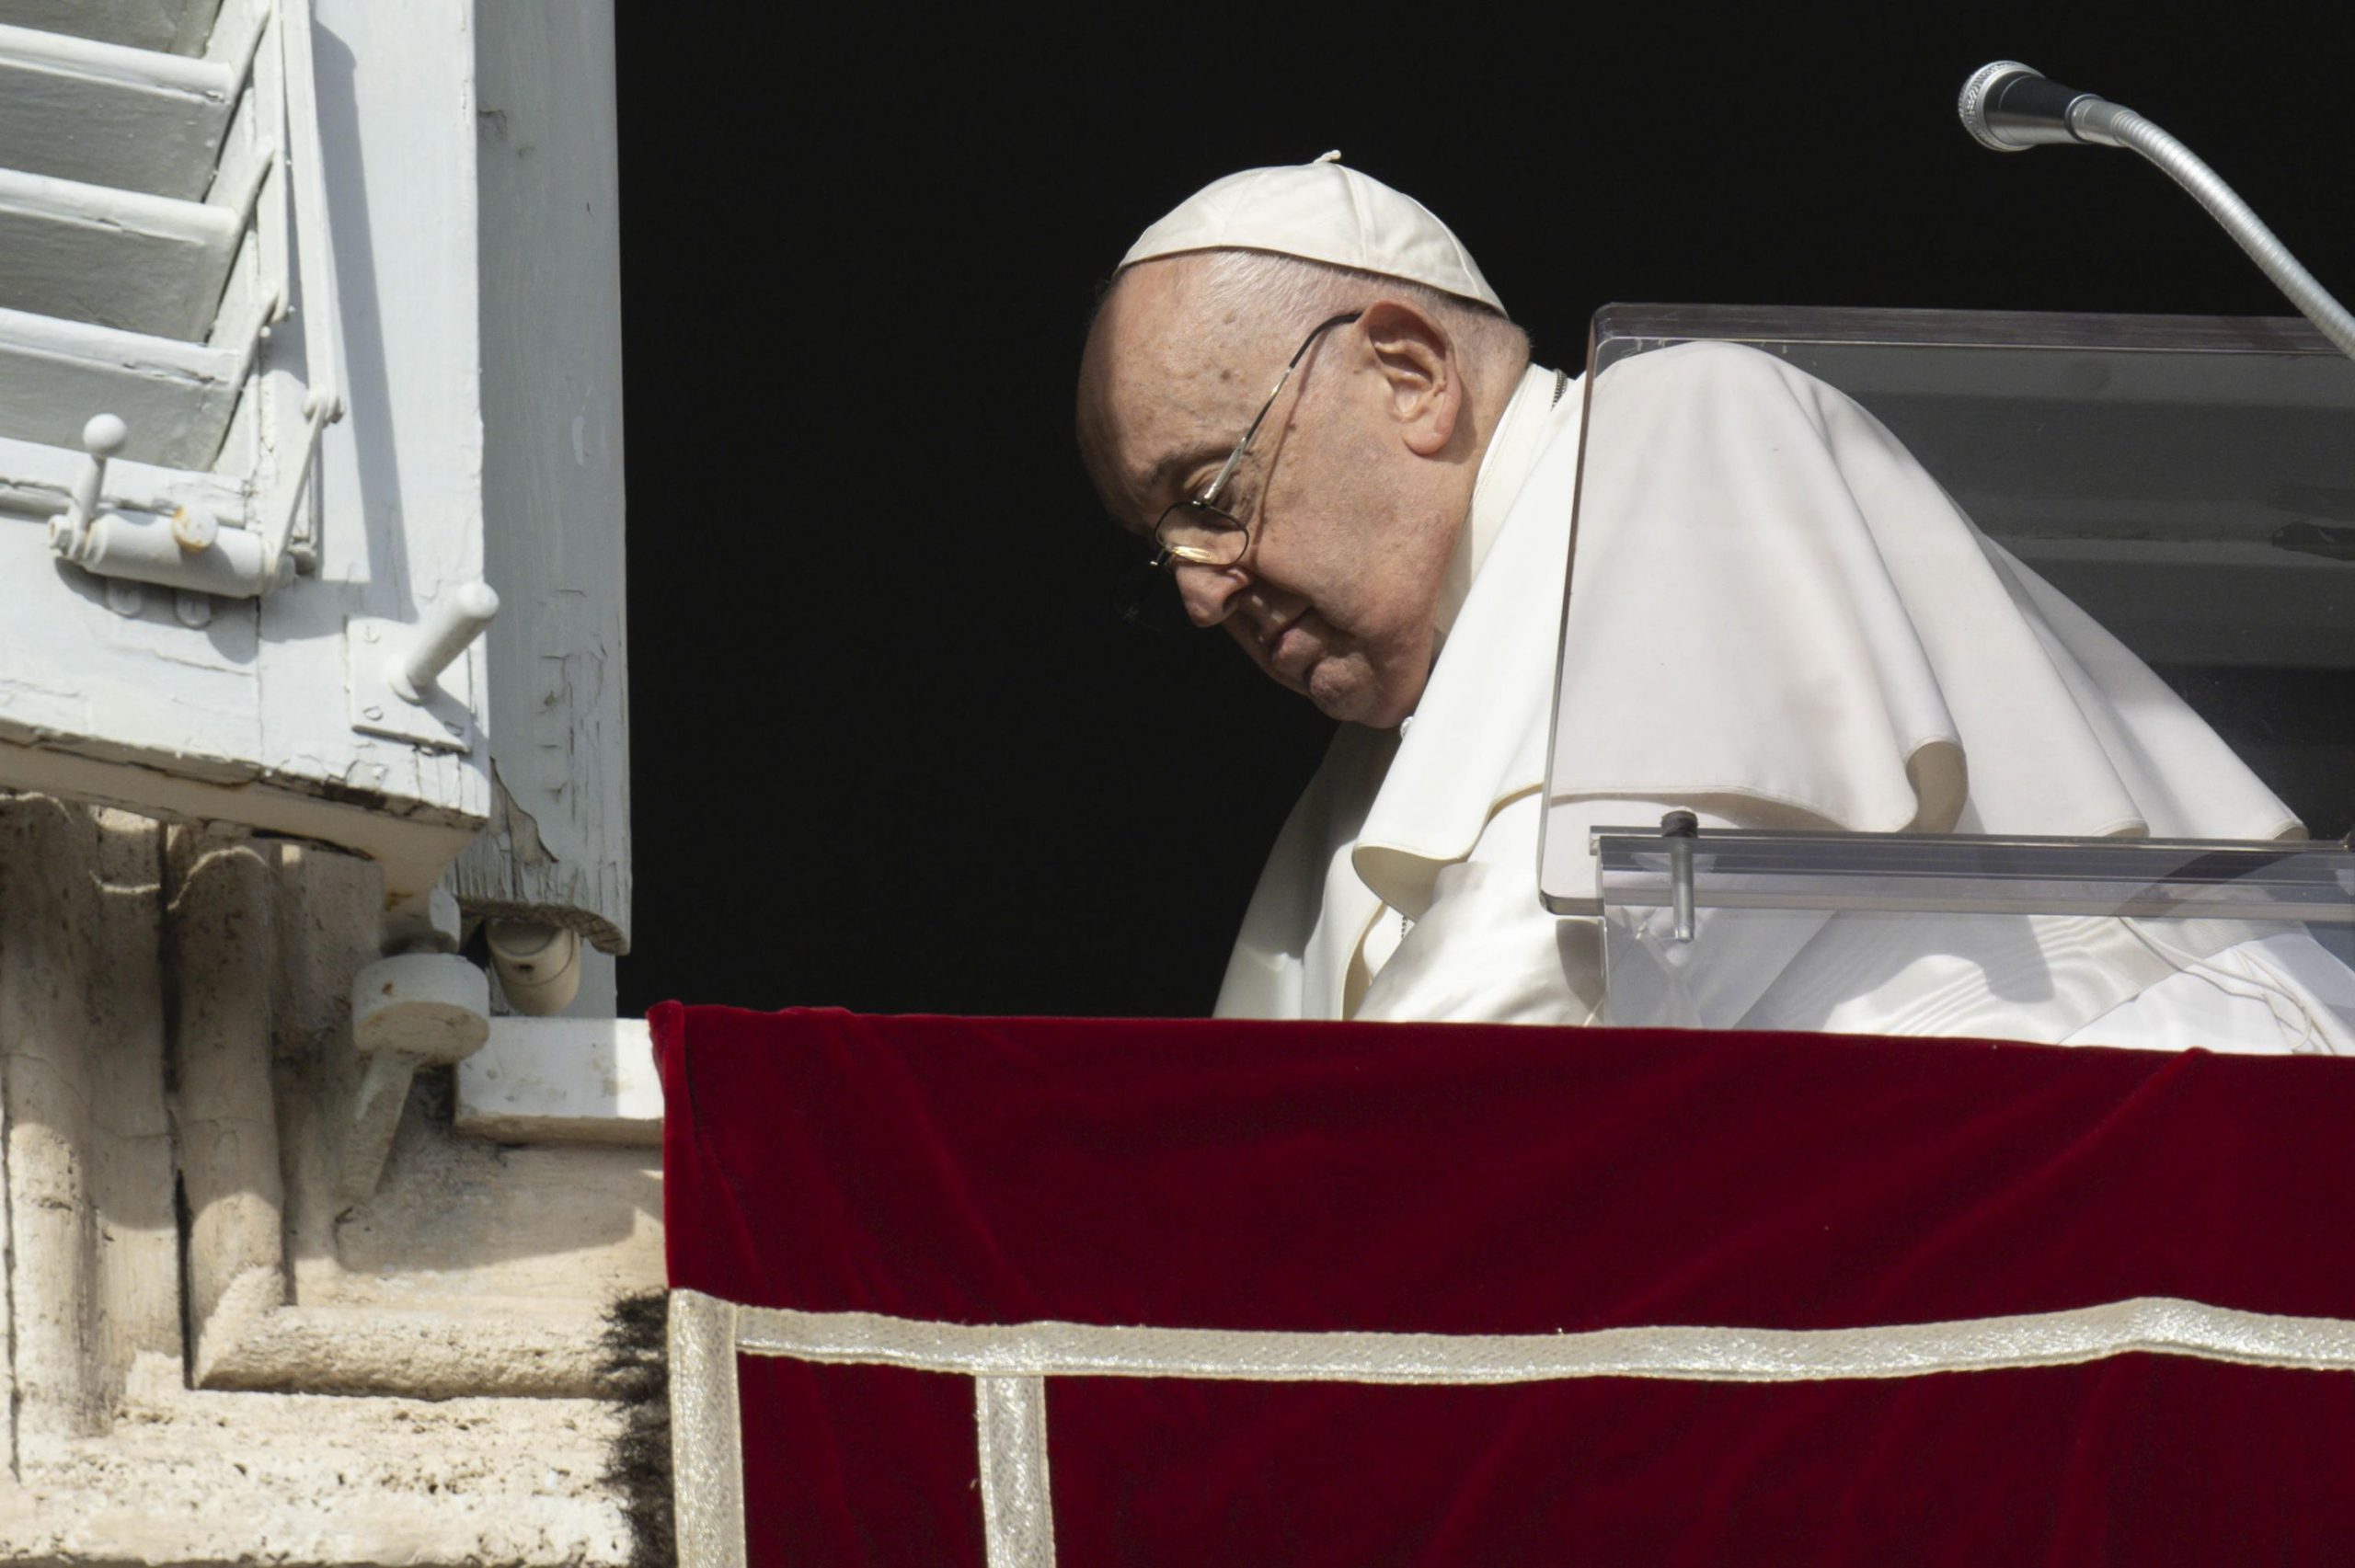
[
  {"x": 2159, "y": 1324},
  {"x": 1017, "y": 1514},
  {"x": 706, "y": 1431},
  {"x": 1009, "y": 1364}
]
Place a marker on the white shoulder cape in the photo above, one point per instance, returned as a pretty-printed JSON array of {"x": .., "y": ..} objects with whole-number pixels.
[{"x": 1779, "y": 619}]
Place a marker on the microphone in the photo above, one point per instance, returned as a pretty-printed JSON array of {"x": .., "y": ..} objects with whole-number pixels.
[{"x": 2010, "y": 108}]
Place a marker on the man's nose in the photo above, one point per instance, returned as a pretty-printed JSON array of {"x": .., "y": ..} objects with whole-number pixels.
[{"x": 1210, "y": 593}]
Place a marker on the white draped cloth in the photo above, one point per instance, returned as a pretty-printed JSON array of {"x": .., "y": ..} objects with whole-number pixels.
[{"x": 1779, "y": 621}]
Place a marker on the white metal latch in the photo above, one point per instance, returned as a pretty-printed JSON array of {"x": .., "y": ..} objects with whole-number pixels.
[
  {"x": 189, "y": 550},
  {"x": 412, "y": 683}
]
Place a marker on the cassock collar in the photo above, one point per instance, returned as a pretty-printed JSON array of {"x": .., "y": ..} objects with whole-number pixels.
[
  {"x": 1520, "y": 441},
  {"x": 1478, "y": 738}
]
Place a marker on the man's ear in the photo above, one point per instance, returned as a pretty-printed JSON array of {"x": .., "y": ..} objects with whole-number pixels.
[{"x": 1424, "y": 384}]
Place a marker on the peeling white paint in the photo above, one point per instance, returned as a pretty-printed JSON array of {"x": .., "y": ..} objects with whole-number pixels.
[{"x": 551, "y": 322}]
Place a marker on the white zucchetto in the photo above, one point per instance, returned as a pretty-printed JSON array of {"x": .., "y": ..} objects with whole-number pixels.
[{"x": 1320, "y": 212}]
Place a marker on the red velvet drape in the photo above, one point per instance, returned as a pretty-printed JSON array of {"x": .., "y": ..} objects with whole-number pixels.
[{"x": 1478, "y": 1180}]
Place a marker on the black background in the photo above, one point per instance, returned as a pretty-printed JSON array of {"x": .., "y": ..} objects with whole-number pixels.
[{"x": 890, "y": 750}]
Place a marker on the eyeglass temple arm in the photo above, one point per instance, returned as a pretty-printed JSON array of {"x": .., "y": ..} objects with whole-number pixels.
[{"x": 1218, "y": 485}]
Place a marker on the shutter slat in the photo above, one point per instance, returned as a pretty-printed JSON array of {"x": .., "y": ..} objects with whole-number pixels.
[
  {"x": 102, "y": 114},
  {"x": 178, "y": 26}
]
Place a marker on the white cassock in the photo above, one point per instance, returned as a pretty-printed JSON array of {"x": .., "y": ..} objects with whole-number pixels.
[{"x": 1781, "y": 621}]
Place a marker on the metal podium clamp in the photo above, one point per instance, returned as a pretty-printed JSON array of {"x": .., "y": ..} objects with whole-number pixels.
[{"x": 1680, "y": 829}]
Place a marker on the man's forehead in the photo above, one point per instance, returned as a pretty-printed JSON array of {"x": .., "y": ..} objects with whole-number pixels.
[{"x": 1158, "y": 395}]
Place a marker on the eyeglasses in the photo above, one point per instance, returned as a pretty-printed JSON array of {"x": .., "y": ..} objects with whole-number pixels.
[{"x": 1201, "y": 530}]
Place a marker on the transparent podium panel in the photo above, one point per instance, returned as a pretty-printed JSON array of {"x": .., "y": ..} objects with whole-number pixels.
[
  {"x": 2230, "y": 945},
  {"x": 2006, "y": 663}
]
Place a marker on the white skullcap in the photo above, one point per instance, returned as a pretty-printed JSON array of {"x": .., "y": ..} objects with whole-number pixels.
[{"x": 1320, "y": 212}]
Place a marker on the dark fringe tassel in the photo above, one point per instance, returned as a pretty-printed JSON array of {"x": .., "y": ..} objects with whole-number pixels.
[{"x": 636, "y": 1375}]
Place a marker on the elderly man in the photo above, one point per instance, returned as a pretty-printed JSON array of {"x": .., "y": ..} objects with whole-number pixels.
[{"x": 1386, "y": 532}]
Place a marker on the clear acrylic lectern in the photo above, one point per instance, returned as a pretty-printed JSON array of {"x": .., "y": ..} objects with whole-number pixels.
[{"x": 2188, "y": 484}]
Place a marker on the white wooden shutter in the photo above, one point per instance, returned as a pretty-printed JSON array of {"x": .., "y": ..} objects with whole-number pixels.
[{"x": 219, "y": 221}]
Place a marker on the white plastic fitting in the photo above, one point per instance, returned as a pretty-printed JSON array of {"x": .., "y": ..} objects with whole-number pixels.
[
  {"x": 424, "y": 923},
  {"x": 538, "y": 965}
]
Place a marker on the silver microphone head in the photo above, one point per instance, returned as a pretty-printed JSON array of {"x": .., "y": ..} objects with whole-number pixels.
[{"x": 1972, "y": 105}]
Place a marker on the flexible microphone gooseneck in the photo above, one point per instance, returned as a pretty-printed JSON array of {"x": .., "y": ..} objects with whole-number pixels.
[{"x": 2010, "y": 108}]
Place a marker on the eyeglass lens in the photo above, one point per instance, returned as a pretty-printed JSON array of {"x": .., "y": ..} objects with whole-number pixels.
[{"x": 1204, "y": 535}]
